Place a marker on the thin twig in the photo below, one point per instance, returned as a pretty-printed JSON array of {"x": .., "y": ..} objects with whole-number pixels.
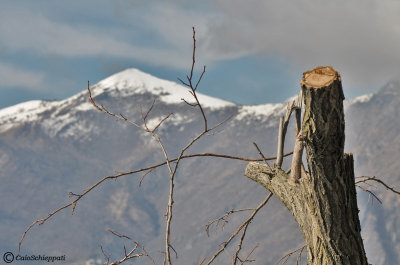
[
  {"x": 285, "y": 258},
  {"x": 149, "y": 110},
  {"x": 104, "y": 110},
  {"x": 369, "y": 192},
  {"x": 262, "y": 155},
  {"x": 239, "y": 248},
  {"x": 223, "y": 220},
  {"x": 246, "y": 259},
  {"x": 190, "y": 81},
  {"x": 106, "y": 257},
  {"x": 144, "y": 175},
  {"x": 373, "y": 178},
  {"x": 234, "y": 234},
  {"x": 299, "y": 256},
  {"x": 130, "y": 255}
]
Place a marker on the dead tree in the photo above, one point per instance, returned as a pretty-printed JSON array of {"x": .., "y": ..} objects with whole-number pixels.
[{"x": 322, "y": 201}]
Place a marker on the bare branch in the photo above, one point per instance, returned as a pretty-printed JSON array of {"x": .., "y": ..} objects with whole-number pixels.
[
  {"x": 128, "y": 255},
  {"x": 283, "y": 124},
  {"x": 183, "y": 82},
  {"x": 297, "y": 160},
  {"x": 370, "y": 193},
  {"x": 285, "y": 258},
  {"x": 364, "y": 179},
  {"x": 164, "y": 151},
  {"x": 90, "y": 97},
  {"x": 296, "y": 167},
  {"x": 201, "y": 76},
  {"x": 299, "y": 255},
  {"x": 121, "y": 174},
  {"x": 245, "y": 223},
  {"x": 149, "y": 110},
  {"x": 190, "y": 82},
  {"x": 248, "y": 256},
  {"x": 223, "y": 219},
  {"x": 193, "y": 55},
  {"x": 281, "y": 140},
  {"x": 104, "y": 110},
  {"x": 262, "y": 155},
  {"x": 239, "y": 248},
  {"x": 144, "y": 175},
  {"x": 43, "y": 220},
  {"x": 106, "y": 257},
  {"x": 169, "y": 214},
  {"x": 190, "y": 104},
  {"x": 159, "y": 124},
  {"x": 121, "y": 117}
]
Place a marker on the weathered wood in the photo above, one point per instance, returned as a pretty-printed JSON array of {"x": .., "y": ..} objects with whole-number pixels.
[
  {"x": 324, "y": 202},
  {"x": 295, "y": 171}
]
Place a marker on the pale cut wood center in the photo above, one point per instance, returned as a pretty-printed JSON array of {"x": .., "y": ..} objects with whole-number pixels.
[{"x": 321, "y": 76}]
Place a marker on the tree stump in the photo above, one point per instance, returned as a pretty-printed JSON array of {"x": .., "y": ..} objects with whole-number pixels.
[{"x": 323, "y": 202}]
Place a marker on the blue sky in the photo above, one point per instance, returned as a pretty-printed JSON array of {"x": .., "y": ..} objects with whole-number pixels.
[{"x": 255, "y": 50}]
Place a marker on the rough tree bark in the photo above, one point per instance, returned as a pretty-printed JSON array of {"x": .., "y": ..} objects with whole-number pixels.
[{"x": 324, "y": 202}]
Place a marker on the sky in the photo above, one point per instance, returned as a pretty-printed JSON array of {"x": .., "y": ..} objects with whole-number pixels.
[{"x": 255, "y": 51}]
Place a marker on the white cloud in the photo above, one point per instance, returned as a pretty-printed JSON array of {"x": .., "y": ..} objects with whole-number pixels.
[
  {"x": 11, "y": 76},
  {"x": 359, "y": 38},
  {"x": 33, "y": 32}
]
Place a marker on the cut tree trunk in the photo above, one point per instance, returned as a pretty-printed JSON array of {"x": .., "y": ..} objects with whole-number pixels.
[{"x": 323, "y": 202}]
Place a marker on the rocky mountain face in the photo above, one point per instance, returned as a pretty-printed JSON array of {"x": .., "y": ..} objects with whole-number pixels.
[
  {"x": 373, "y": 136},
  {"x": 48, "y": 149}
]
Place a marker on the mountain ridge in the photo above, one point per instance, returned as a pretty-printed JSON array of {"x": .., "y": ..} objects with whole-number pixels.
[{"x": 133, "y": 81}]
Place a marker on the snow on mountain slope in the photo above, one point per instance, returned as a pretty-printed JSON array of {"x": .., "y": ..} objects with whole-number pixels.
[
  {"x": 22, "y": 112},
  {"x": 133, "y": 81},
  {"x": 130, "y": 82},
  {"x": 55, "y": 116},
  {"x": 126, "y": 83}
]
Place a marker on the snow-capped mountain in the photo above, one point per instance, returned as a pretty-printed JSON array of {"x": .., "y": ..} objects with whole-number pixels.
[
  {"x": 48, "y": 148},
  {"x": 130, "y": 82}
]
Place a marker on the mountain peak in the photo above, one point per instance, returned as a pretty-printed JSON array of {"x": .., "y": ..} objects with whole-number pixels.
[
  {"x": 133, "y": 81},
  {"x": 129, "y": 78},
  {"x": 129, "y": 82}
]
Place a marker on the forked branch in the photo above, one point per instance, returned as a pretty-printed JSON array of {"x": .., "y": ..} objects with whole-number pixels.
[
  {"x": 366, "y": 179},
  {"x": 128, "y": 255},
  {"x": 244, "y": 225},
  {"x": 286, "y": 257},
  {"x": 190, "y": 85}
]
